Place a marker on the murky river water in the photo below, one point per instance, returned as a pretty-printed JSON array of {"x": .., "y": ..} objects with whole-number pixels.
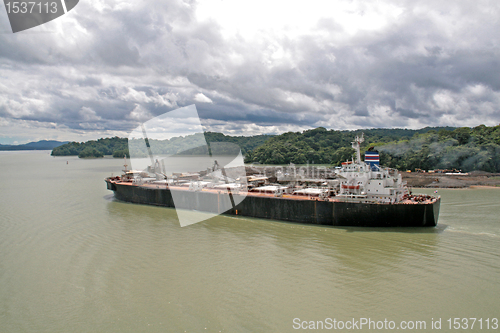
[{"x": 72, "y": 259}]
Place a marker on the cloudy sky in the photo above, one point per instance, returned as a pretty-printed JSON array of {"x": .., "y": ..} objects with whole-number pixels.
[{"x": 251, "y": 67}]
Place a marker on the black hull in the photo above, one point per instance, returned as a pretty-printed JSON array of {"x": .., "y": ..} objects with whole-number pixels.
[{"x": 303, "y": 211}]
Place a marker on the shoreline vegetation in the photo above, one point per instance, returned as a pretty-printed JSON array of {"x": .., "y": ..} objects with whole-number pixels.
[
  {"x": 461, "y": 149},
  {"x": 439, "y": 149}
]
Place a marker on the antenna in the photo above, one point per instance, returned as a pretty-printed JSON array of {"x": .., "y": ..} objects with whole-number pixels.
[{"x": 125, "y": 163}]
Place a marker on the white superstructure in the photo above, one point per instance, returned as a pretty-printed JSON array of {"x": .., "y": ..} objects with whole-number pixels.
[{"x": 359, "y": 181}]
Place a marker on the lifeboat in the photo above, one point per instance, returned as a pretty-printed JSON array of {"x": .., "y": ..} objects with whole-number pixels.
[{"x": 350, "y": 187}]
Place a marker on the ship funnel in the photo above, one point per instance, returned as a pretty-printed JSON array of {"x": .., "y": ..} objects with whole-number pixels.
[{"x": 373, "y": 158}]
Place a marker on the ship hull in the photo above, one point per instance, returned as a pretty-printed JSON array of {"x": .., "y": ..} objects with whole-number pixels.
[{"x": 319, "y": 212}]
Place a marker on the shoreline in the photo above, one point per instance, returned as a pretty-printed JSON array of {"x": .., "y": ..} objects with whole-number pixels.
[
  {"x": 473, "y": 179},
  {"x": 484, "y": 186},
  {"x": 454, "y": 187},
  {"x": 413, "y": 179}
]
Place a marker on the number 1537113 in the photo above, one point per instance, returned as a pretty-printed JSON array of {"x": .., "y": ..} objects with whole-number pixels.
[{"x": 31, "y": 7}]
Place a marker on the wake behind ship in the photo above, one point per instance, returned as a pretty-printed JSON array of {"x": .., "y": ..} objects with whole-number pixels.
[{"x": 360, "y": 194}]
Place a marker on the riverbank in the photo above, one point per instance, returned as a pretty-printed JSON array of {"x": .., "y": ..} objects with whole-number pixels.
[
  {"x": 413, "y": 179},
  {"x": 436, "y": 180}
]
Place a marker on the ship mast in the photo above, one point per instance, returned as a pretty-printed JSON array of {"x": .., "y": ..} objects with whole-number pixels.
[
  {"x": 149, "y": 147},
  {"x": 125, "y": 165},
  {"x": 356, "y": 144}
]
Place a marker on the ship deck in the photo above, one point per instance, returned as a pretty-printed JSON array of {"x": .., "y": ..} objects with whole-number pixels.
[{"x": 411, "y": 200}]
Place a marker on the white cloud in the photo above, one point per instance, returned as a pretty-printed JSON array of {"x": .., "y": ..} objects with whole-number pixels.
[
  {"x": 139, "y": 114},
  {"x": 202, "y": 98},
  {"x": 24, "y": 131},
  {"x": 257, "y": 65},
  {"x": 87, "y": 114}
]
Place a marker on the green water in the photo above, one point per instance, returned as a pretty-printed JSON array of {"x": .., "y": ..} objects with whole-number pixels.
[{"x": 72, "y": 259}]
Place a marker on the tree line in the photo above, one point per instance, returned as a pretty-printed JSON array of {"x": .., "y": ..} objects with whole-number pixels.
[
  {"x": 94, "y": 148},
  {"x": 194, "y": 144},
  {"x": 462, "y": 148}
]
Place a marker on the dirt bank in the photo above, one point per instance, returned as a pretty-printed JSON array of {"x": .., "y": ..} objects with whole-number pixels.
[
  {"x": 475, "y": 178},
  {"x": 414, "y": 179}
]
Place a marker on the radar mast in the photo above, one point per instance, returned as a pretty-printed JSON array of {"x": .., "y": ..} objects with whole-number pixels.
[{"x": 356, "y": 144}]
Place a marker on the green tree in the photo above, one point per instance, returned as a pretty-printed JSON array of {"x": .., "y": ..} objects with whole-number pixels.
[{"x": 90, "y": 152}]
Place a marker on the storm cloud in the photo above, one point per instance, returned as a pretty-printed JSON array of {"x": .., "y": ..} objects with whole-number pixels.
[{"x": 109, "y": 64}]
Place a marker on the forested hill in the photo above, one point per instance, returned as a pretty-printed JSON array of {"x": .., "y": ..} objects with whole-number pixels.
[
  {"x": 118, "y": 147},
  {"x": 463, "y": 148},
  {"x": 322, "y": 146},
  {"x": 39, "y": 145}
]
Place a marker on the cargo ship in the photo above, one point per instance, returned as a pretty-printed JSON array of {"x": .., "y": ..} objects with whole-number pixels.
[{"x": 356, "y": 194}]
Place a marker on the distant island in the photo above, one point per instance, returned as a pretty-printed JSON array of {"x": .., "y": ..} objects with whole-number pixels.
[
  {"x": 39, "y": 145},
  {"x": 449, "y": 148}
]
